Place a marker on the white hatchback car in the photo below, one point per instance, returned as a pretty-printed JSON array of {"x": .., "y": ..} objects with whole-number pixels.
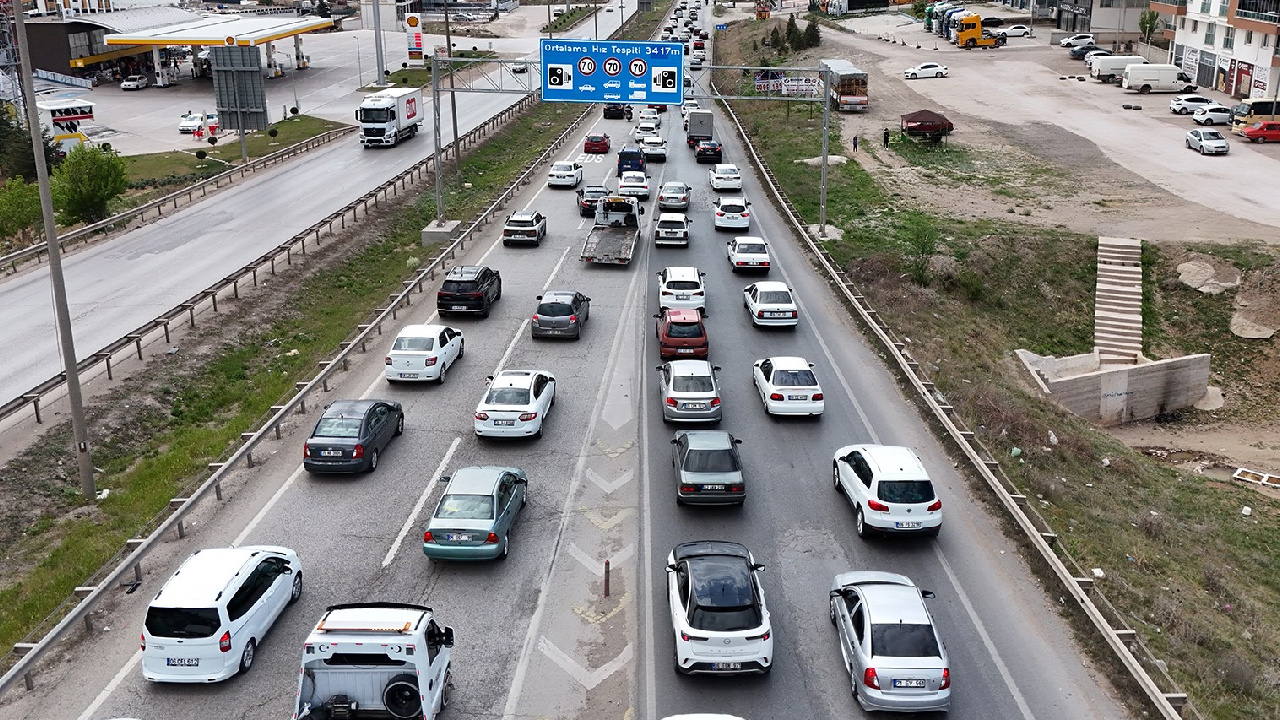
[
  {"x": 1187, "y": 104},
  {"x": 787, "y": 386},
  {"x": 564, "y": 174},
  {"x": 725, "y": 177},
  {"x": 771, "y": 304},
  {"x": 1212, "y": 115},
  {"x": 206, "y": 622},
  {"x": 748, "y": 253},
  {"x": 733, "y": 213},
  {"x": 634, "y": 184},
  {"x": 718, "y": 612},
  {"x": 672, "y": 229},
  {"x": 423, "y": 353},
  {"x": 1078, "y": 40},
  {"x": 515, "y": 404},
  {"x": 681, "y": 288},
  {"x": 889, "y": 488},
  {"x": 1013, "y": 31}
]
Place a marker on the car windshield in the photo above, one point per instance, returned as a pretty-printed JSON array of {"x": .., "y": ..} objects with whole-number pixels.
[
  {"x": 182, "y": 622},
  {"x": 414, "y": 344},
  {"x": 906, "y": 491},
  {"x": 682, "y": 285},
  {"x": 562, "y": 167},
  {"x": 520, "y": 222},
  {"x": 671, "y": 225},
  {"x": 751, "y": 248},
  {"x": 1211, "y": 135},
  {"x": 555, "y": 309},
  {"x": 374, "y": 115},
  {"x": 775, "y": 297},
  {"x": 712, "y": 461},
  {"x": 903, "y": 640},
  {"x": 465, "y": 507},
  {"x": 338, "y": 427},
  {"x": 684, "y": 330},
  {"x": 692, "y": 384},
  {"x": 507, "y": 396},
  {"x": 794, "y": 378}
]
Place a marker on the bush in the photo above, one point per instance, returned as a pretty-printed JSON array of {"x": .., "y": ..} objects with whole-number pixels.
[{"x": 86, "y": 182}]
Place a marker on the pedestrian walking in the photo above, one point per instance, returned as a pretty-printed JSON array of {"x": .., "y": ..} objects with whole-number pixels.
[
  {"x": 886, "y": 138},
  {"x": 855, "y": 143}
]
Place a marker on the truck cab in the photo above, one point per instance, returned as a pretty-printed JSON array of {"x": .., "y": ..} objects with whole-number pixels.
[
  {"x": 389, "y": 116},
  {"x": 970, "y": 34},
  {"x": 375, "y": 660}
]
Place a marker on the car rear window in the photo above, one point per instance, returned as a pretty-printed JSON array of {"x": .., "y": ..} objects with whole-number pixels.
[
  {"x": 415, "y": 344},
  {"x": 684, "y": 330},
  {"x": 671, "y": 224},
  {"x": 465, "y": 507},
  {"x": 458, "y": 286},
  {"x": 794, "y": 378},
  {"x": 338, "y": 427},
  {"x": 903, "y": 640},
  {"x": 906, "y": 491},
  {"x": 725, "y": 619},
  {"x": 732, "y": 207},
  {"x": 630, "y": 155},
  {"x": 517, "y": 222},
  {"x": 555, "y": 309},
  {"x": 182, "y": 622},
  {"x": 692, "y": 384},
  {"x": 775, "y": 297},
  {"x": 507, "y": 396},
  {"x": 712, "y": 461},
  {"x": 682, "y": 285},
  {"x": 562, "y": 167},
  {"x": 595, "y": 138},
  {"x": 751, "y": 248}
]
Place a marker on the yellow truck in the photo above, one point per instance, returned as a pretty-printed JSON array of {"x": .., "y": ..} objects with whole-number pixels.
[{"x": 969, "y": 34}]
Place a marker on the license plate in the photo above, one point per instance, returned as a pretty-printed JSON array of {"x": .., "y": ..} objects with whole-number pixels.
[
  {"x": 777, "y": 314},
  {"x": 682, "y": 297},
  {"x": 458, "y": 307},
  {"x": 182, "y": 662},
  {"x": 504, "y": 422},
  {"x": 797, "y": 397},
  {"x": 409, "y": 376},
  {"x": 713, "y": 487},
  {"x": 753, "y": 263},
  {"x": 330, "y": 453},
  {"x": 907, "y": 526},
  {"x": 726, "y": 666},
  {"x": 695, "y": 406},
  {"x": 463, "y": 537},
  {"x": 909, "y": 683},
  {"x": 684, "y": 351}
]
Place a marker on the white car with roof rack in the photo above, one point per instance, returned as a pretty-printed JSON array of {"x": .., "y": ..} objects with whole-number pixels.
[
  {"x": 392, "y": 659},
  {"x": 515, "y": 404}
]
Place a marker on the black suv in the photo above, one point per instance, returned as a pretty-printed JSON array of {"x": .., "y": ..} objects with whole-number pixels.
[
  {"x": 469, "y": 288},
  {"x": 614, "y": 111},
  {"x": 708, "y": 151}
]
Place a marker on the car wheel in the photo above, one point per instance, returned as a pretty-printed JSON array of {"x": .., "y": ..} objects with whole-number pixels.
[
  {"x": 246, "y": 657},
  {"x": 831, "y": 610},
  {"x": 835, "y": 478},
  {"x": 1260, "y": 139},
  {"x": 485, "y": 312},
  {"x": 444, "y": 368},
  {"x": 1207, "y": 121},
  {"x": 1202, "y": 149},
  {"x": 538, "y": 435},
  {"x": 860, "y": 525},
  {"x": 913, "y": 76},
  {"x": 675, "y": 662},
  {"x": 1183, "y": 111},
  {"x": 446, "y": 692},
  {"x": 578, "y": 335},
  {"x": 1144, "y": 90},
  {"x": 373, "y": 461},
  {"x": 462, "y": 349},
  {"x": 506, "y": 547},
  {"x": 1189, "y": 145},
  {"x": 938, "y": 75},
  {"x": 400, "y": 425},
  {"x": 297, "y": 588}
]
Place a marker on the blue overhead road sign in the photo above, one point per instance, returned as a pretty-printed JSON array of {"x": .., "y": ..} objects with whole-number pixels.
[{"x": 603, "y": 71}]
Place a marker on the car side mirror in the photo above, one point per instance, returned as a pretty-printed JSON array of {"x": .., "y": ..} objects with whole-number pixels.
[
  {"x": 657, "y": 315},
  {"x": 445, "y": 478},
  {"x": 757, "y": 567},
  {"x": 737, "y": 441},
  {"x": 811, "y": 365},
  {"x": 521, "y": 481},
  {"x": 641, "y": 210},
  {"x": 702, "y": 274},
  {"x": 580, "y": 193},
  {"x": 671, "y": 567},
  {"x": 715, "y": 368},
  {"x": 448, "y": 637},
  {"x": 540, "y": 297},
  {"x": 286, "y": 570},
  {"x": 927, "y": 594},
  {"x": 489, "y": 378},
  {"x": 837, "y": 593},
  {"x": 673, "y": 441}
]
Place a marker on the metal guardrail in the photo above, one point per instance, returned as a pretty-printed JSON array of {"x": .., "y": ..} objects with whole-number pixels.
[
  {"x": 37, "y": 252},
  {"x": 24, "y": 656},
  {"x": 1122, "y": 640}
]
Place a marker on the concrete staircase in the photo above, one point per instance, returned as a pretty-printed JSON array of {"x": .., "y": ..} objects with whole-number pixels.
[{"x": 1117, "y": 308}]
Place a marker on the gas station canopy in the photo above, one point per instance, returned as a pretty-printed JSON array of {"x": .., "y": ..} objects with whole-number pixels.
[{"x": 223, "y": 30}]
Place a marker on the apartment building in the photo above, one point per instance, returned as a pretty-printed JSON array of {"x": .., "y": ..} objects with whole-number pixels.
[{"x": 1232, "y": 46}]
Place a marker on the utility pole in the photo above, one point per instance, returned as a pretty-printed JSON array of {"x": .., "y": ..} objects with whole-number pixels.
[
  {"x": 453, "y": 100},
  {"x": 435, "y": 93},
  {"x": 596, "y": 16},
  {"x": 381, "y": 70},
  {"x": 78, "y": 428},
  {"x": 550, "y": 36},
  {"x": 826, "y": 135}
]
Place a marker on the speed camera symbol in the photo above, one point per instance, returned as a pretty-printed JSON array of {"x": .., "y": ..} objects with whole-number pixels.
[
  {"x": 560, "y": 77},
  {"x": 664, "y": 79}
]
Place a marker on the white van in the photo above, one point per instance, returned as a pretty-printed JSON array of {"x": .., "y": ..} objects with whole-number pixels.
[
  {"x": 1109, "y": 68},
  {"x": 385, "y": 659},
  {"x": 1157, "y": 78}
]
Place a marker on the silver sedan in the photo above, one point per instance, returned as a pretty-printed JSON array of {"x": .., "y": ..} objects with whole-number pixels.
[
  {"x": 1208, "y": 142},
  {"x": 690, "y": 392},
  {"x": 673, "y": 196}
]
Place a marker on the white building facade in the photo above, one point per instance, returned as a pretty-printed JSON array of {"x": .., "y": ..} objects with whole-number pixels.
[{"x": 1227, "y": 45}]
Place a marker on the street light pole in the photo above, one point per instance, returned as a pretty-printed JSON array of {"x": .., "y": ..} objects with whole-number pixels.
[
  {"x": 359, "y": 66},
  {"x": 596, "y": 16},
  {"x": 63, "y": 314},
  {"x": 377, "y": 44},
  {"x": 435, "y": 94},
  {"x": 550, "y": 36},
  {"x": 453, "y": 104},
  {"x": 826, "y": 135}
]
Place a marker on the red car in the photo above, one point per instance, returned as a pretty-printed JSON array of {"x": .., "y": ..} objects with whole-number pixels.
[
  {"x": 681, "y": 334},
  {"x": 659, "y": 108},
  {"x": 1260, "y": 132},
  {"x": 596, "y": 143}
]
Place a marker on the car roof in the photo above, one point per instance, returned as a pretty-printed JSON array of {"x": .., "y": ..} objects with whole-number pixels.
[
  {"x": 892, "y": 604},
  {"x": 420, "y": 331},
  {"x": 203, "y": 577},
  {"x": 789, "y": 363},
  {"x": 750, "y": 239},
  {"x": 474, "y": 480},
  {"x": 726, "y": 166},
  {"x": 596, "y": 188},
  {"x": 772, "y": 286},
  {"x": 683, "y": 273},
  {"x": 354, "y": 622},
  {"x": 682, "y": 315},
  {"x": 721, "y": 581},
  {"x": 557, "y": 295},
  {"x": 674, "y": 217},
  {"x": 464, "y": 272},
  {"x": 690, "y": 368},
  {"x": 524, "y": 214},
  {"x": 684, "y": 185},
  {"x": 893, "y": 462},
  {"x": 513, "y": 378},
  {"x": 707, "y": 439},
  {"x": 349, "y": 408}
]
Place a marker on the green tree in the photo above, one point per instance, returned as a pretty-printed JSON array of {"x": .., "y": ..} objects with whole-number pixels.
[
  {"x": 917, "y": 8},
  {"x": 16, "y": 159},
  {"x": 794, "y": 38},
  {"x": 86, "y": 182},
  {"x": 918, "y": 236},
  {"x": 812, "y": 35},
  {"x": 777, "y": 42},
  {"x": 19, "y": 211},
  {"x": 1148, "y": 21},
  {"x": 322, "y": 9}
]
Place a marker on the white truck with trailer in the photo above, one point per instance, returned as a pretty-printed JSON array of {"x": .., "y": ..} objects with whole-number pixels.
[
  {"x": 612, "y": 239},
  {"x": 1157, "y": 78},
  {"x": 375, "y": 660},
  {"x": 848, "y": 86},
  {"x": 389, "y": 116}
]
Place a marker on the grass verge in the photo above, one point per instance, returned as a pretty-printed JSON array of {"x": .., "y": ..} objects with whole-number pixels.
[
  {"x": 568, "y": 20},
  {"x": 421, "y": 76},
  {"x": 1184, "y": 567}
]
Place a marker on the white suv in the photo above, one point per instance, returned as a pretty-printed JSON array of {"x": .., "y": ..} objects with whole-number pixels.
[
  {"x": 206, "y": 622},
  {"x": 890, "y": 490},
  {"x": 672, "y": 229},
  {"x": 681, "y": 288}
]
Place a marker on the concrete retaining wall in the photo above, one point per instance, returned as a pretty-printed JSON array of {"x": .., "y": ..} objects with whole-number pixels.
[{"x": 1123, "y": 394}]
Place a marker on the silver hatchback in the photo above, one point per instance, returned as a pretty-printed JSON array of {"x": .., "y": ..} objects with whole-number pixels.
[
  {"x": 690, "y": 392},
  {"x": 560, "y": 313}
]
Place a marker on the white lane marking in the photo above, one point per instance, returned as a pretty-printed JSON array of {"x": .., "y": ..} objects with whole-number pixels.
[
  {"x": 253, "y": 524},
  {"x": 111, "y": 686},
  {"x": 982, "y": 633},
  {"x": 422, "y": 501},
  {"x": 556, "y": 270},
  {"x": 511, "y": 347},
  {"x": 534, "y": 199},
  {"x": 587, "y": 678},
  {"x": 595, "y": 564},
  {"x": 608, "y": 486},
  {"x": 646, "y": 536},
  {"x": 544, "y": 592}
]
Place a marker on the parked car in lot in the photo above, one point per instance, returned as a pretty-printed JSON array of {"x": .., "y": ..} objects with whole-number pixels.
[
  {"x": 565, "y": 173},
  {"x": 889, "y": 489},
  {"x": 350, "y": 436},
  {"x": 469, "y": 288},
  {"x": 1078, "y": 53},
  {"x": 1078, "y": 40},
  {"x": 423, "y": 353},
  {"x": 718, "y": 612},
  {"x": 732, "y": 213},
  {"x": 928, "y": 69},
  {"x": 474, "y": 517},
  {"x": 588, "y": 196},
  {"x": 134, "y": 82},
  {"x": 515, "y": 404},
  {"x": 1098, "y": 53},
  {"x": 194, "y": 121},
  {"x": 748, "y": 253},
  {"x": 788, "y": 386},
  {"x": 1212, "y": 115},
  {"x": 596, "y": 143},
  {"x": 524, "y": 226},
  {"x": 207, "y": 620},
  {"x": 771, "y": 304},
  {"x": 1014, "y": 31},
  {"x": 725, "y": 177},
  {"x": 673, "y": 195},
  {"x": 890, "y": 646},
  {"x": 708, "y": 151},
  {"x": 1208, "y": 142},
  {"x": 560, "y": 313},
  {"x": 1261, "y": 132},
  {"x": 689, "y": 391},
  {"x": 681, "y": 288},
  {"x": 681, "y": 334},
  {"x": 1187, "y": 104}
]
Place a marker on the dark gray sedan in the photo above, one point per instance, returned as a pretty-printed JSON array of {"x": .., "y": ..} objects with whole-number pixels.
[
  {"x": 561, "y": 313},
  {"x": 708, "y": 469},
  {"x": 350, "y": 435}
]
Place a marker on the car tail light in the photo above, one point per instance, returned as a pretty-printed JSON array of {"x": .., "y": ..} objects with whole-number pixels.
[
  {"x": 387, "y": 361},
  {"x": 740, "y": 263},
  {"x": 877, "y": 505},
  {"x": 817, "y": 396},
  {"x": 526, "y": 417},
  {"x": 430, "y": 361},
  {"x": 671, "y": 402},
  {"x": 427, "y": 537},
  {"x": 870, "y": 680},
  {"x": 759, "y": 313},
  {"x": 719, "y": 213},
  {"x": 482, "y": 416},
  {"x": 472, "y": 295},
  {"x": 764, "y": 263},
  {"x": 688, "y": 488},
  {"x": 144, "y": 640},
  {"x": 535, "y": 317},
  {"x": 358, "y": 452},
  {"x": 684, "y": 198},
  {"x": 492, "y": 539},
  {"x": 737, "y": 488},
  {"x": 765, "y": 636},
  {"x": 306, "y": 450},
  {"x": 935, "y": 506},
  {"x": 775, "y": 396},
  {"x": 224, "y": 642},
  {"x": 699, "y": 293},
  {"x": 946, "y": 679},
  {"x": 746, "y": 213},
  {"x": 667, "y": 292},
  {"x": 795, "y": 314},
  {"x": 715, "y": 402},
  {"x": 573, "y": 318},
  {"x": 687, "y": 637}
]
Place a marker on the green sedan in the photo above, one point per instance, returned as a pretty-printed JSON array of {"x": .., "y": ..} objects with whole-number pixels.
[{"x": 474, "y": 517}]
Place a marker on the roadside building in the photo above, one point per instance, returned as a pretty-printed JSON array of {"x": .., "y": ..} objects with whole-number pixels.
[{"x": 1232, "y": 46}]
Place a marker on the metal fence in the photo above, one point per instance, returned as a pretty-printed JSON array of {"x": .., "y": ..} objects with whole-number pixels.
[{"x": 1122, "y": 640}]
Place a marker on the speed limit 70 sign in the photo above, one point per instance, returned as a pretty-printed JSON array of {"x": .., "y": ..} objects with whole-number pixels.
[{"x": 604, "y": 71}]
